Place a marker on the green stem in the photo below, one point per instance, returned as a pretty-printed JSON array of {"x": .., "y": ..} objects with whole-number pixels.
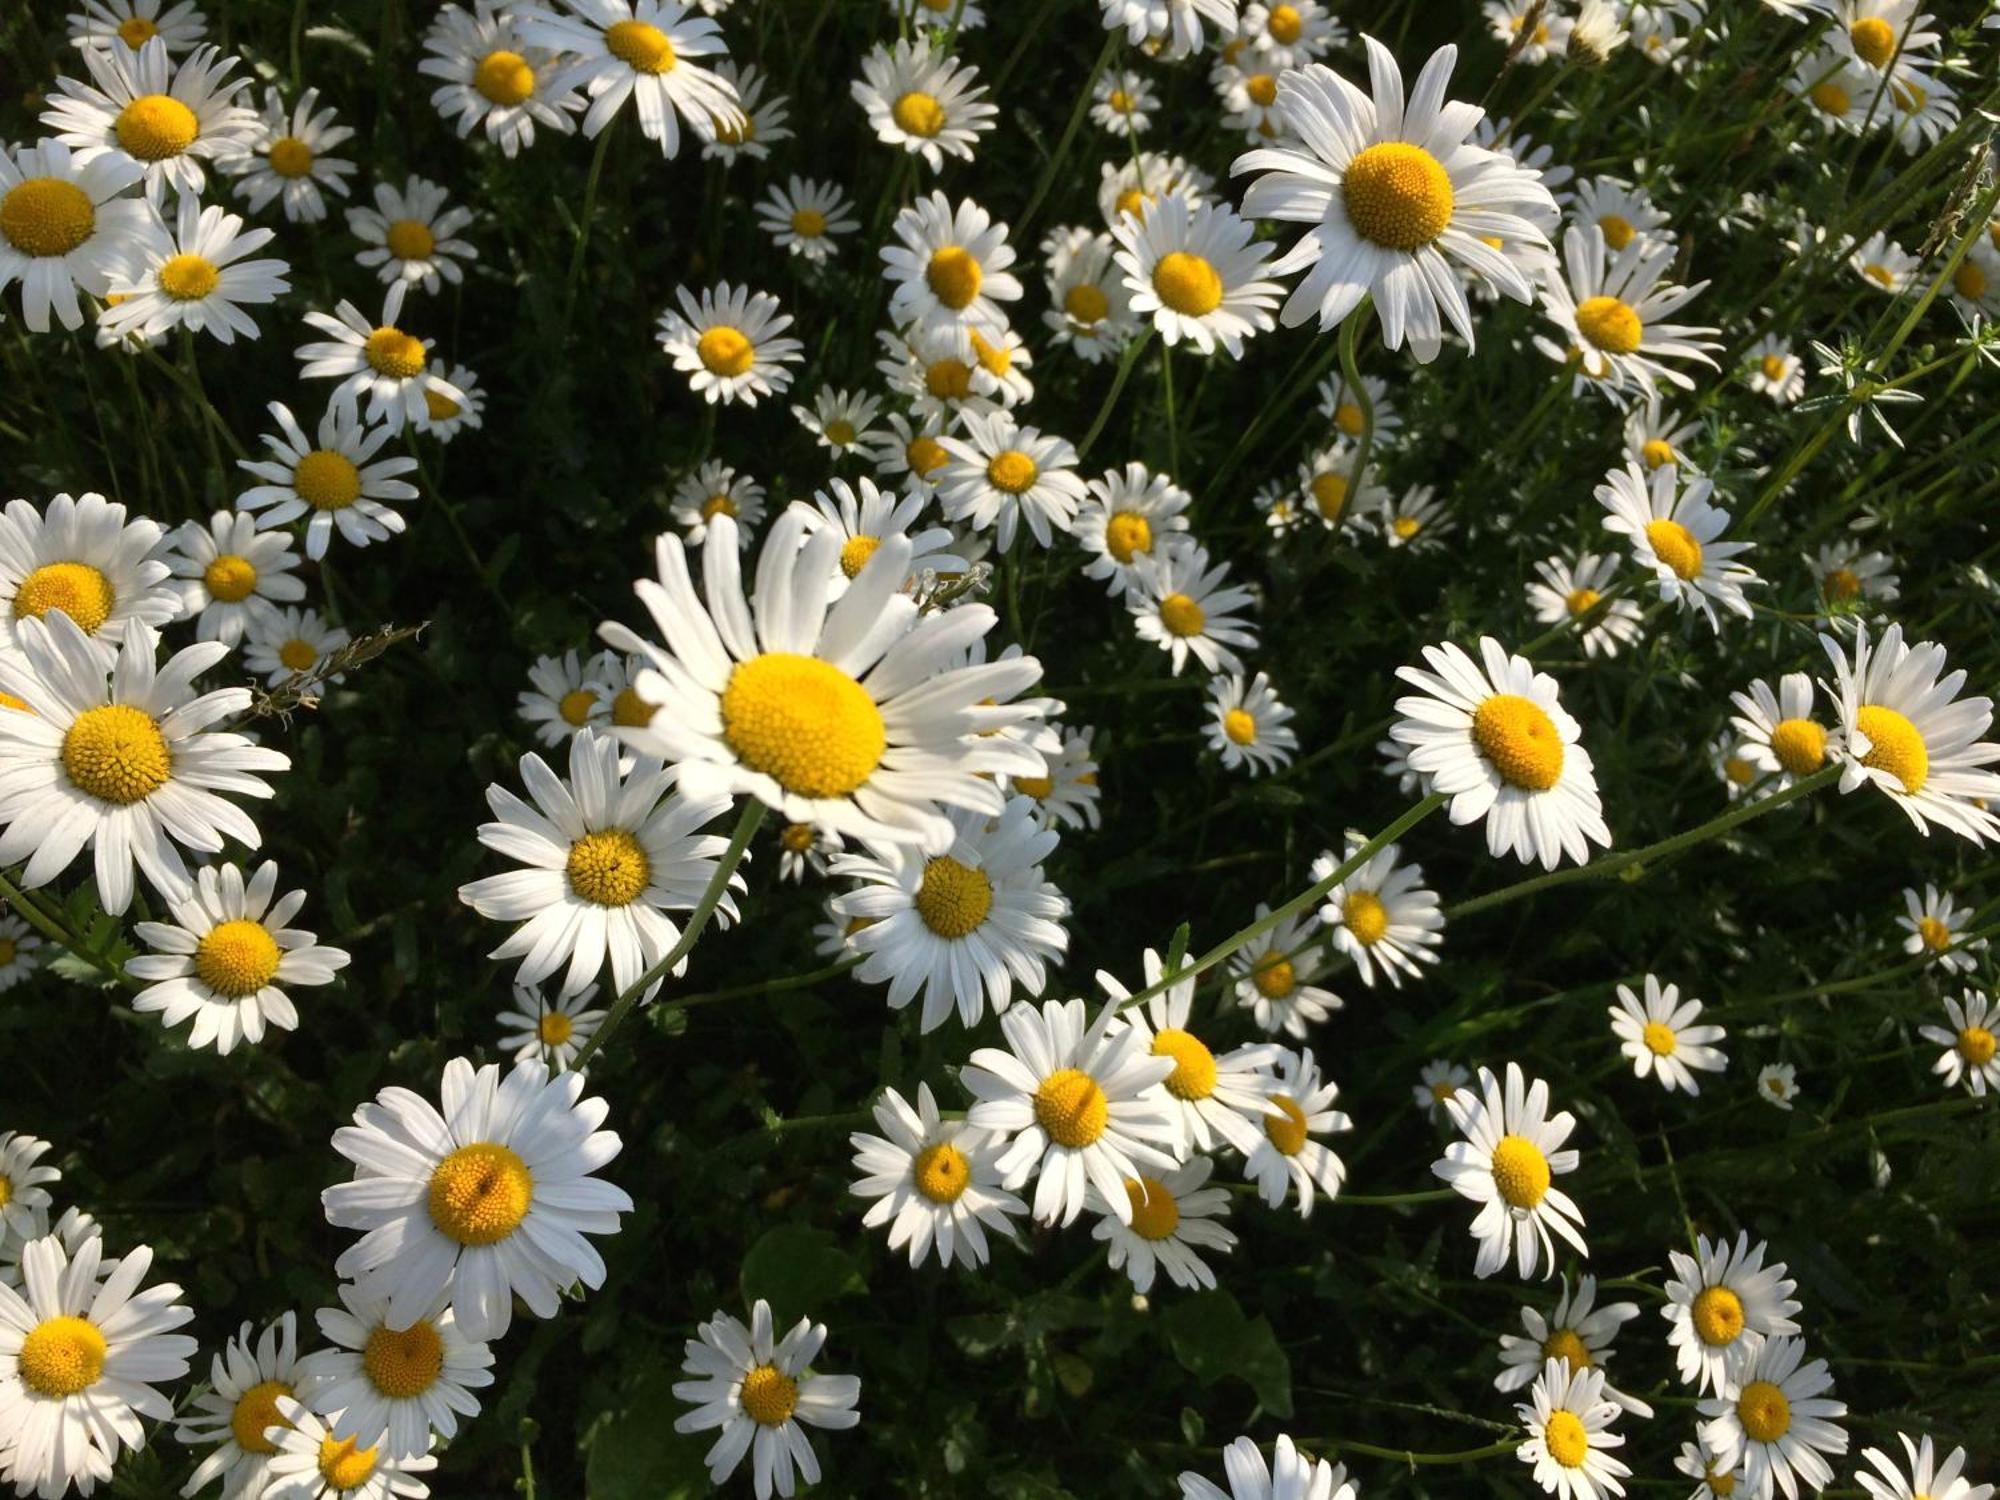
[
  {"x": 52, "y": 928},
  {"x": 1125, "y": 364},
  {"x": 1350, "y": 334},
  {"x": 1403, "y": 1455},
  {"x": 1076, "y": 114},
  {"x": 1173, "y": 421},
  {"x": 1396, "y": 1200},
  {"x": 583, "y": 225}
]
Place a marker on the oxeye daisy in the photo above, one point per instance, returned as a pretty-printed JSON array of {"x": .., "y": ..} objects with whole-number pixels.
[
  {"x": 608, "y": 853},
  {"x": 562, "y": 697},
  {"x": 1574, "y": 590},
  {"x": 1250, "y": 104},
  {"x": 26, "y": 1184},
  {"x": 1288, "y": 1158},
  {"x": 1884, "y": 264},
  {"x": 1170, "y": 1219},
  {"x": 1001, "y": 475},
  {"x": 1621, "y": 211},
  {"x": 1194, "y": 272},
  {"x": 1382, "y": 916},
  {"x": 1274, "y": 973},
  {"x": 840, "y": 420},
  {"x": 286, "y": 160},
  {"x": 1849, "y": 576},
  {"x": 1722, "y": 1303},
  {"x": 1875, "y": 32},
  {"x": 18, "y": 959},
  {"x": 1122, "y": 103},
  {"x": 232, "y": 575},
  {"x": 1712, "y": 1481},
  {"x": 1249, "y": 725},
  {"x": 1438, "y": 1081},
  {"x": 411, "y": 236},
  {"x": 1130, "y": 514},
  {"x": 1129, "y": 188},
  {"x": 923, "y": 101},
  {"x": 1776, "y": 1421},
  {"x": 194, "y": 278},
  {"x": 444, "y": 417},
  {"x": 493, "y": 80},
  {"x": 1289, "y": 33},
  {"x": 934, "y": 1182},
  {"x": 378, "y": 360},
  {"x": 388, "y": 1388},
  {"x": 1661, "y": 1040},
  {"x": 858, "y": 714},
  {"x": 1177, "y": 27},
  {"x": 1969, "y": 1045},
  {"x": 1220, "y": 1099},
  {"x": 755, "y": 1387},
  {"x": 864, "y": 517},
  {"x": 936, "y": 371},
  {"x": 729, "y": 342},
  {"x": 804, "y": 849},
  {"x": 1774, "y": 371},
  {"x": 1676, "y": 532},
  {"x": 334, "y": 478},
  {"x": 1342, "y": 406},
  {"x": 1290, "y": 1475},
  {"x": 70, "y": 1231},
  {"x": 1399, "y": 200},
  {"x": 1777, "y": 1083},
  {"x": 1067, "y": 794},
  {"x": 1928, "y": 1479},
  {"x": 753, "y": 124},
  {"x": 965, "y": 15},
  {"x": 144, "y": 107},
  {"x": 636, "y": 50},
  {"x": 1654, "y": 439},
  {"x": 245, "y": 1380},
  {"x": 65, "y": 225},
  {"x": 1507, "y": 20},
  {"x": 1005, "y": 360},
  {"x": 1512, "y": 1151},
  {"x": 1596, "y": 32},
  {"x": 312, "y": 1464},
  {"x": 81, "y": 557},
  {"x": 1575, "y": 1331},
  {"x": 949, "y": 272},
  {"x": 539, "y": 1029},
  {"x": 1568, "y": 1416},
  {"x": 103, "y": 24},
  {"x": 1280, "y": 507},
  {"x": 1417, "y": 519},
  {"x": 1937, "y": 925},
  {"x": 1905, "y": 729},
  {"x": 1188, "y": 608},
  {"x": 716, "y": 489},
  {"x": 1611, "y": 308},
  {"x": 806, "y": 216},
  {"x": 1326, "y": 490},
  {"x": 1779, "y": 736}
]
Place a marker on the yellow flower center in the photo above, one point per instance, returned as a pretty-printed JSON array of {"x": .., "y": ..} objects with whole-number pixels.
[
  {"x": 1880, "y": 274},
  {"x": 1841, "y": 584},
  {"x": 327, "y": 480},
  {"x": 918, "y": 113},
  {"x": 1037, "y": 787},
  {"x": 256, "y": 1412},
  {"x": 61, "y": 1357},
  {"x": 1086, "y": 303},
  {"x": 718, "y": 505},
  {"x": 1739, "y": 771},
  {"x": 297, "y": 655},
  {"x": 136, "y": 31},
  {"x": 1011, "y": 470},
  {"x": 1800, "y": 746},
  {"x": 230, "y": 578},
  {"x": 554, "y": 1028},
  {"x": 404, "y": 1365},
  {"x": 1239, "y": 726},
  {"x": 1398, "y": 195},
  {"x": 996, "y": 359},
  {"x": 1285, "y": 24},
  {"x": 1187, "y": 283},
  {"x": 394, "y": 353},
  {"x": 1520, "y": 741},
  {"x": 1566, "y": 1343},
  {"x": 954, "y": 277},
  {"x": 642, "y": 47},
  {"x": 1657, "y": 452},
  {"x": 1674, "y": 545},
  {"x": 1274, "y": 976},
  {"x": 1155, "y": 1214},
  {"x": 1618, "y": 230},
  {"x": 1364, "y": 915},
  {"x": 188, "y": 278},
  {"x": 1406, "y": 526},
  {"x": 1120, "y": 101},
  {"x": 1611, "y": 325},
  {"x": 1193, "y": 1076},
  {"x": 480, "y": 1194},
  {"x": 804, "y": 723},
  {"x": 926, "y": 455},
  {"x": 608, "y": 868},
  {"x": 345, "y": 1465},
  {"x": 808, "y": 223},
  {"x": 1894, "y": 746},
  {"x": 1287, "y": 1130},
  {"x": 1564, "y": 1437},
  {"x": 1181, "y": 615},
  {"x": 725, "y": 351},
  {"x": 8, "y": 951},
  {"x": 1717, "y": 1315},
  {"x": 77, "y": 589},
  {"x": 1935, "y": 935},
  {"x": 630, "y": 711},
  {"x": 1969, "y": 280},
  {"x": 769, "y": 1396},
  {"x": 1830, "y": 98},
  {"x": 1764, "y": 1412},
  {"x": 154, "y": 127},
  {"x": 290, "y": 156},
  {"x": 237, "y": 958},
  {"x": 1262, "y": 89},
  {"x": 1444, "y": 1090},
  {"x": 1976, "y": 1045},
  {"x": 947, "y": 379},
  {"x": 1773, "y": 366},
  {"x": 504, "y": 78},
  {"x": 1133, "y": 201},
  {"x": 116, "y": 752},
  {"x": 734, "y": 130},
  {"x": 942, "y": 1173},
  {"x": 954, "y": 898},
  {"x": 1329, "y": 492},
  {"x": 1659, "y": 1038},
  {"x": 409, "y": 239},
  {"x": 1581, "y": 601},
  {"x": 46, "y": 216},
  {"x": 1874, "y": 40},
  {"x": 1347, "y": 417},
  {"x": 1071, "y": 1108},
  {"x": 1722, "y": 1485},
  {"x": 575, "y": 707},
  {"x": 1520, "y": 1171},
  {"x": 1126, "y": 534},
  {"x": 840, "y": 432}
]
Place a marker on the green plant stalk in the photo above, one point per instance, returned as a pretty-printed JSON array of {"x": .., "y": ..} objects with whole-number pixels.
[
  {"x": 52, "y": 928},
  {"x": 1350, "y": 373},
  {"x": 1125, "y": 364},
  {"x": 583, "y": 226},
  {"x": 1112, "y": 39},
  {"x": 1403, "y": 1455}
]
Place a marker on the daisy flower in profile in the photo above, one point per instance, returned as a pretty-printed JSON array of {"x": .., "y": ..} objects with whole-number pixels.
[
  {"x": 1905, "y": 730},
  {"x": 1418, "y": 520},
  {"x": 1849, "y": 576},
  {"x": 563, "y": 696},
  {"x": 491, "y": 80},
  {"x": 1249, "y": 725},
  {"x": 65, "y": 226},
  {"x": 1884, "y": 264},
  {"x": 923, "y": 101},
  {"x": 1288, "y": 1158},
  {"x": 1439, "y": 1081},
  {"x": 1221, "y": 1100},
  {"x": 1274, "y": 973},
  {"x": 1176, "y": 27},
  {"x": 1774, "y": 371},
  {"x": 1382, "y": 916},
  {"x": 1722, "y": 1303},
  {"x": 1676, "y": 532},
  {"x": 1326, "y": 488},
  {"x": 444, "y": 417},
  {"x": 1067, "y": 794},
  {"x": 411, "y": 236},
  {"x": 1399, "y": 201},
  {"x": 1623, "y": 212},
  {"x": 1712, "y": 1481},
  {"x": 310, "y": 1463},
  {"x": 120, "y": 758},
  {"x": 1937, "y": 925},
  {"x": 1089, "y": 307},
  {"x": 1289, "y": 1476},
  {"x": 18, "y": 959},
  {"x": 1927, "y": 1479},
  {"x": 1001, "y": 474},
  {"x": 644, "y": 50},
  {"x": 1975, "y": 285},
  {"x": 1512, "y": 1151},
  {"x": 194, "y": 278},
  {"x": 233, "y": 577},
  {"x": 103, "y": 23},
  {"x": 754, "y": 1386},
  {"x": 728, "y": 341},
  {"x": 949, "y": 272},
  {"x": 1195, "y": 272},
  {"x": 933, "y": 1181},
  {"x": 1575, "y": 1331},
  {"x": 167, "y": 116},
  {"x": 1778, "y": 1083},
  {"x": 840, "y": 420},
  {"x": 1611, "y": 308},
  {"x": 286, "y": 162},
  {"x": 378, "y": 360},
  {"x": 1779, "y": 735},
  {"x": 1130, "y": 188},
  {"x": 1660, "y": 1038},
  {"x": 1170, "y": 1219},
  {"x": 80, "y": 557},
  {"x": 864, "y": 517},
  {"x": 1574, "y": 590},
  {"x": 387, "y": 1388},
  {"x": 539, "y": 1029},
  {"x": 1969, "y": 1046},
  {"x": 1568, "y": 1415},
  {"x": 85, "y": 1348},
  {"x": 1188, "y": 608},
  {"x": 1776, "y": 1421},
  {"x": 26, "y": 1184},
  {"x": 1122, "y": 103},
  {"x": 806, "y": 216},
  {"x": 607, "y": 854},
  {"x": 716, "y": 489},
  {"x": 333, "y": 478},
  {"x": 245, "y": 1380},
  {"x": 751, "y": 127},
  {"x": 226, "y": 959}
]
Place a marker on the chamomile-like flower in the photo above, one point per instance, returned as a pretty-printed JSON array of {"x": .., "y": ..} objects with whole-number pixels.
[
  {"x": 1774, "y": 372},
  {"x": 1676, "y": 532},
  {"x": 410, "y": 235},
  {"x": 1884, "y": 264},
  {"x": 1176, "y": 27},
  {"x": 1573, "y": 589},
  {"x": 1438, "y": 1081},
  {"x": 933, "y": 1181},
  {"x": 444, "y": 417},
  {"x": 1655, "y": 438},
  {"x": 806, "y": 216},
  {"x": 1382, "y": 916},
  {"x": 310, "y": 1463},
  {"x": 1927, "y": 1479},
  {"x": 1249, "y": 725},
  {"x": 1624, "y": 213},
  {"x": 1169, "y": 1220},
  {"x": 18, "y": 958},
  {"x": 1507, "y": 20},
  {"x": 1512, "y": 1152},
  {"x": 757, "y": 120},
  {"x": 1187, "y": 608},
  {"x": 1575, "y": 1330},
  {"x": 194, "y": 278},
  {"x": 1326, "y": 489},
  {"x": 1779, "y": 737},
  {"x": 1778, "y": 1083},
  {"x": 641, "y": 51},
  {"x": 562, "y": 697},
  {"x": 1568, "y": 1416},
  {"x": 232, "y": 576},
  {"x": 840, "y": 420},
  {"x": 1090, "y": 308},
  {"x": 549, "y": 1030},
  {"x": 1196, "y": 273},
  {"x": 948, "y": 272},
  {"x": 287, "y": 162},
  {"x": 333, "y": 478},
  {"x": 1122, "y": 103},
  {"x": 389, "y": 1388},
  {"x": 66, "y": 226},
  {"x": 1417, "y": 519},
  {"x": 716, "y": 489},
  {"x": 379, "y": 360},
  {"x": 1220, "y": 1098},
  {"x": 864, "y": 517},
  {"x": 1712, "y": 1481},
  {"x": 142, "y": 106},
  {"x": 1969, "y": 1055},
  {"x": 1340, "y": 404},
  {"x": 27, "y": 1192},
  {"x": 730, "y": 343},
  {"x": 926, "y": 102},
  {"x": 1937, "y": 925},
  {"x": 1131, "y": 187},
  {"x": 492, "y": 80},
  {"x": 1250, "y": 104},
  {"x": 1289, "y": 33},
  {"x": 83, "y": 557},
  {"x": 1850, "y": 576},
  {"x": 1289, "y": 1157},
  {"x": 1612, "y": 309},
  {"x": 1274, "y": 973},
  {"x": 1660, "y": 1038},
  {"x": 104, "y": 24},
  {"x": 245, "y": 1380},
  {"x": 1066, "y": 794},
  {"x": 1777, "y": 1421},
  {"x": 1001, "y": 475},
  {"x": 1290, "y": 1475},
  {"x": 1722, "y": 1303}
]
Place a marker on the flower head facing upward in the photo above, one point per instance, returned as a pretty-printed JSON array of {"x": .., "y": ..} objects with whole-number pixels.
[
  {"x": 1511, "y": 1155},
  {"x": 1776, "y": 1420}
]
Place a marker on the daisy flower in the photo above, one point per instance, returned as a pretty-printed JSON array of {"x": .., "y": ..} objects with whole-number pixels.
[
  {"x": 378, "y": 360},
  {"x": 410, "y": 236},
  {"x": 287, "y": 162},
  {"x": 1937, "y": 925},
  {"x": 1722, "y": 1303},
  {"x": 939, "y": 14},
  {"x": 1326, "y": 487},
  {"x": 716, "y": 489},
  {"x": 1067, "y": 794},
  {"x": 1595, "y": 33},
  {"x": 26, "y": 1184},
  {"x": 1290, "y": 1475},
  {"x": 1419, "y": 520},
  {"x": 863, "y": 517},
  {"x": 1574, "y": 1331},
  {"x": 1713, "y": 1482},
  {"x": 1676, "y": 532},
  {"x": 312, "y": 1464},
  {"x": 333, "y": 477},
  {"x": 1122, "y": 103},
  {"x": 1001, "y": 474},
  {"x": 1905, "y": 730},
  {"x": 1848, "y": 575},
  {"x": 728, "y": 341},
  {"x": 387, "y": 1388},
  {"x": 1975, "y": 285},
  {"x": 1399, "y": 200},
  {"x": 1187, "y": 608},
  {"x": 1129, "y": 188},
  {"x": 937, "y": 372},
  {"x": 539, "y": 1029},
  {"x": 1884, "y": 264},
  {"x": 1776, "y": 1421},
  {"x": 1168, "y": 1221},
  {"x": 840, "y": 420},
  {"x": 1221, "y": 1100},
  {"x": 1439, "y": 1081},
  {"x": 1005, "y": 360},
  {"x": 1249, "y": 726},
  {"x": 1874, "y": 32},
  {"x": 18, "y": 959},
  {"x": 1289, "y": 33},
  {"x": 643, "y": 50},
  {"x": 804, "y": 849},
  {"x": 923, "y": 101},
  {"x": 755, "y": 122},
  {"x": 754, "y": 1386},
  {"x": 245, "y": 1381},
  {"x": 65, "y": 226},
  {"x": 1610, "y": 307},
  {"x": 1175, "y": 26},
  {"x": 167, "y": 116},
  {"x": 1574, "y": 590},
  {"x": 1569, "y": 1417},
  {"x": 607, "y": 854},
  {"x": 1775, "y": 371},
  {"x": 1968, "y": 1057},
  {"x": 1342, "y": 406},
  {"x": 934, "y": 1182},
  {"x": 1512, "y": 1151},
  {"x": 1507, "y": 20},
  {"x": 1836, "y": 89},
  {"x": 1927, "y": 1477},
  {"x": 1779, "y": 735},
  {"x": 1382, "y": 916},
  {"x": 1653, "y": 439},
  {"x": 82, "y": 558},
  {"x": 1194, "y": 271},
  {"x": 805, "y": 216},
  {"x": 1288, "y": 1157},
  {"x": 962, "y": 927},
  {"x": 1777, "y": 1083},
  {"x": 948, "y": 273},
  {"x": 103, "y": 23},
  {"x": 492, "y": 80},
  {"x": 1621, "y": 211},
  {"x": 444, "y": 417},
  {"x": 1250, "y": 105},
  {"x": 562, "y": 697},
  {"x": 1660, "y": 1038},
  {"x": 859, "y": 714},
  {"x": 1273, "y": 974},
  {"x": 233, "y": 576},
  {"x": 194, "y": 278}
]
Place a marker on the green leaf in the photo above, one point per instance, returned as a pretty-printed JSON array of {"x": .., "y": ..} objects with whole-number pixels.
[
  {"x": 1211, "y": 1337},
  {"x": 798, "y": 1270},
  {"x": 638, "y": 1456}
]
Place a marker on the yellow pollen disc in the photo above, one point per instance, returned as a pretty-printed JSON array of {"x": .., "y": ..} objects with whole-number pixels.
[
  {"x": 1187, "y": 283},
  {"x": 1120, "y": 101},
  {"x": 1329, "y": 492},
  {"x": 942, "y": 1173},
  {"x": 1618, "y": 230},
  {"x": 1398, "y": 195},
  {"x": 1564, "y": 1436},
  {"x": 327, "y": 480},
  {"x": 480, "y": 1194},
  {"x": 290, "y": 156},
  {"x": 1976, "y": 1045},
  {"x": 1239, "y": 727},
  {"x": 1841, "y": 584},
  {"x": 1773, "y": 366},
  {"x": 188, "y": 278},
  {"x": 808, "y": 223},
  {"x": 344, "y": 1465},
  {"x": 725, "y": 351},
  {"x": 1364, "y": 915},
  {"x": 1071, "y": 1108},
  {"x": 1193, "y": 1076},
  {"x": 1895, "y": 747},
  {"x": 136, "y": 31},
  {"x": 954, "y": 898},
  {"x": 1037, "y": 787},
  {"x": 734, "y": 130},
  {"x": 608, "y": 868},
  {"x": 954, "y": 277},
  {"x": 1286, "y": 1131},
  {"x": 1880, "y": 274},
  {"x": 1659, "y": 1038},
  {"x": 1285, "y": 24},
  {"x": 1406, "y": 526},
  {"x": 918, "y": 113},
  {"x": 769, "y": 1396},
  {"x": 255, "y": 1413},
  {"x": 46, "y": 216},
  {"x": 404, "y": 1365},
  {"x": 1347, "y": 417},
  {"x": 642, "y": 47},
  {"x": 798, "y": 837},
  {"x": 1274, "y": 976},
  {"x": 1874, "y": 40},
  {"x": 1262, "y": 89},
  {"x": 504, "y": 78},
  {"x": 1764, "y": 1412},
  {"x": 947, "y": 379},
  {"x": 839, "y": 432},
  {"x": 1520, "y": 1171},
  {"x": 61, "y": 1357},
  {"x": 718, "y": 505},
  {"x": 297, "y": 655},
  {"x": 554, "y": 1028},
  {"x": 230, "y": 578},
  {"x": 630, "y": 711},
  {"x": 237, "y": 958},
  {"x": 1800, "y": 746},
  {"x": 1520, "y": 740},
  {"x": 1830, "y": 98},
  {"x": 1565, "y": 1343},
  {"x": 1675, "y": 545},
  {"x": 1443, "y": 1091},
  {"x": 1717, "y": 1314},
  {"x": 1127, "y": 534},
  {"x": 1155, "y": 1214},
  {"x": 1611, "y": 325},
  {"x": 804, "y": 723},
  {"x": 995, "y": 359},
  {"x": 1739, "y": 771},
  {"x": 855, "y": 552},
  {"x": 1936, "y": 936},
  {"x": 575, "y": 707},
  {"x": 1011, "y": 470},
  {"x": 1181, "y": 615},
  {"x": 1722, "y": 1485},
  {"x": 394, "y": 353},
  {"x": 1581, "y": 601},
  {"x": 8, "y": 951},
  {"x": 1969, "y": 280},
  {"x": 77, "y": 589},
  {"x": 154, "y": 127},
  {"x": 117, "y": 753},
  {"x": 1133, "y": 201},
  {"x": 1657, "y": 452},
  {"x": 408, "y": 239},
  {"x": 439, "y": 407}
]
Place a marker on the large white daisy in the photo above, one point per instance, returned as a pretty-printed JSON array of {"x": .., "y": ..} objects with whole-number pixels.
[
  {"x": 1382, "y": 915},
  {"x": 638, "y": 50},
  {"x": 143, "y": 106},
  {"x": 1196, "y": 272},
  {"x": 933, "y": 1181},
  {"x": 245, "y": 1382},
  {"x": 84, "y": 558},
  {"x": 1001, "y": 474},
  {"x": 1777, "y": 1421},
  {"x": 1722, "y": 1302},
  {"x": 334, "y": 478},
  {"x": 1677, "y": 533},
  {"x": 1512, "y": 1152},
  {"x": 66, "y": 226},
  {"x": 392, "y": 1387}
]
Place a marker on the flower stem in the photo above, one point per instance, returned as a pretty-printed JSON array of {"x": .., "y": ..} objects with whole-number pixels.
[
  {"x": 1403, "y": 1455},
  {"x": 583, "y": 224},
  {"x": 1350, "y": 334},
  {"x": 1131, "y": 358},
  {"x": 1068, "y": 138},
  {"x": 52, "y": 928}
]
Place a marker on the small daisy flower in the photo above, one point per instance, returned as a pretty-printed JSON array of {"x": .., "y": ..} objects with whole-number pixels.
[
  {"x": 1249, "y": 726},
  {"x": 1512, "y": 1151},
  {"x": 1568, "y": 1416},
  {"x": 864, "y": 517},
  {"x": 1612, "y": 307},
  {"x": 491, "y": 79},
  {"x": 1274, "y": 973},
  {"x": 937, "y": 372},
  {"x": 562, "y": 697},
  {"x": 948, "y": 273},
  {"x": 1188, "y": 608},
  {"x": 1089, "y": 306},
  {"x": 81, "y": 557},
  {"x": 378, "y": 360},
  {"x": 806, "y": 216},
  {"x": 27, "y": 1184},
  {"x": 1169, "y": 1220},
  {"x": 1779, "y": 735},
  {"x": 1778, "y": 1083},
  {"x": 1595, "y": 33},
  {"x": 1937, "y": 925},
  {"x": 1195, "y": 272},
  {"x": 1849, "y": 576},
  {"x": 1382, "y": 916},
  {"x": 1326, "y": 490},
  {"x": 1130, "y": 514},
  {"x": 1661, "y": 1040},
  {"x": 194, "y": 278},
  {"x": 1774, "y": 371},
  {"x": 1737, "y": 774},
  {"x": 934, "y": 1182},
  {"x": 1122, "y": 103},
  {"x": 1969, "y": 1046},
  {"x": 1220, "y": 1099},
  {"x": 18, "y": 959},
  {"x": 938, "y": 15},
  {"x": 103, "y": 24},
  {"x": 1250, "y": 104},
  {"x": 1884, "y": 264},
  {"x": 245, "y": 1381},
  {"x": 1439, "y": 1081},
  {"x": 755, "y": 122},
  {"x": 1174, "y": 27},
  {"x": 168, "y": 116},
  {"x": 310, "y": 1463},
  {"x": 1282, "y": 512},
  {"x": 640, "y": 51},
  {"x": 923, "y": 101},
  {"x": 1975, "y": 285},
  {"x": 333, "y": 478},
  {"x": 444, "y": 417},
  {"x": 1575, "y": 1331},
  {"x": 1342, "y": 406},
  {"x": 1572, "y": 590},
  {"x": 65, "y": 226},
  {"x": 1835, "y": 91},
  {"x": 1676, "y": 532},
  {"x": 1723, "y": 1302},
  {"x": 1622, "y": 212},
  {"x": 1131, "y": 187},
  {"x": 286, "y": 162},
  {"x": 1068, "y": 794},
  {"x": 411, "y": 236},
  {"x": 234, "y": 577},
  {"x": 1712, "y": 1482},
  {"x": 293, "y": 642},
  {"x": 538, "y": 1029},
  {"x": 1507, "y": 20},
  {"x": 804, "y": 849},
  {"x": 715, "y": 489},
  {"x": 842, "y": 421},
  {"x": 1001, "y": 474},
  {"x": 728, "y": 342},
  {"x": 1290, "y": 33},
  {"x": 388, "y": 1388},
  {"x": 1290, "y": 1475},
  {"x": 1653, "y": 439},
  {"x": 1928, "y": 1479},
  {"x": 1418, "y": 520},
  {"x": 1004, "y": 360},
  {"x": 1289, "y": 1158},
  {"x": 1776, "y": 1421}
]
